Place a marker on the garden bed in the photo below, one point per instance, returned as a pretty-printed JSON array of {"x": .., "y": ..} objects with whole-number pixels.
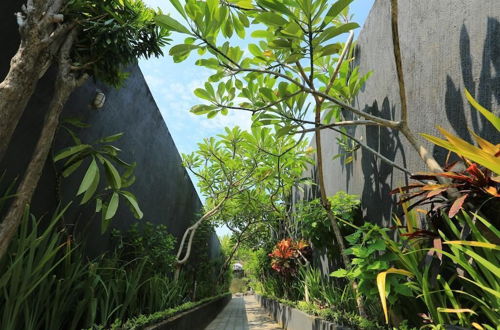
[
  {"x": 294, "y": 319},
  {"x": 193, "y": 316}
]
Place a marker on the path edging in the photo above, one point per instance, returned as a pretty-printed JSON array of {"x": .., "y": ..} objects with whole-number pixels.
[
  {"x": 293, "y": 319},
  {"x": 196, "y": 318}
]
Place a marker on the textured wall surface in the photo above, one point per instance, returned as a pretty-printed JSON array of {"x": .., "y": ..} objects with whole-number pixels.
[
  {"x": 163, "y": 187},
  {"x": 447, "y": 46}
]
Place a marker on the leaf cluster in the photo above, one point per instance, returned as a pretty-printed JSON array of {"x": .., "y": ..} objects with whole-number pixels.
[
  {"x": 102, "y": 157},
  {"x": 298, "y": 46},
  {"x": 112, "y": 35}
]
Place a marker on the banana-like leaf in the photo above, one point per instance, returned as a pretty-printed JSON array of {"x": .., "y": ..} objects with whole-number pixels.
[
  {"x": 494, "y": 120},
  {"x": 381, "y": 286},
  {"x": 455, "y": 310},
  {"x": 474, "y": 243},
  {"x": 465, "y": 149}
]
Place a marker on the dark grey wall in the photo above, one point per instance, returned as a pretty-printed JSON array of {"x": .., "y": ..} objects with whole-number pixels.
[
  {"x": 163, "y": 188},
  {"x": 447, "y": 45}
]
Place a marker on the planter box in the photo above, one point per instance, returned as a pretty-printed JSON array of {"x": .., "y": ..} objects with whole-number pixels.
[
  {"x": 194, "y": 319},
  {"x": 294, "y": 319}
]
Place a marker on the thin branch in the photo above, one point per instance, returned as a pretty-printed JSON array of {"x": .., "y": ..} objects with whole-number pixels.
[
  {"x": 372, "y": 151},
  {"x": 217, "y": 50},
  {"x": 398, "y": 60},
  {"x": 340, "y": 61},
  {"x": 341, "y": 123},
  {"x": 381, "y": 121},
  {"x": 302, "y": 73},
  {"x": 232, "y": 5},
  {"x": 260, "y": 108}
]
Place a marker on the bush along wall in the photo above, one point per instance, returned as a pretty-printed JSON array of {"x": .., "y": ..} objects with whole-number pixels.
[{"x": 48, "y": 283}]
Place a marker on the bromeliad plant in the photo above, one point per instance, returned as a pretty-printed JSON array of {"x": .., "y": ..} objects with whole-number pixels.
[{"x": 477, "y": 184}]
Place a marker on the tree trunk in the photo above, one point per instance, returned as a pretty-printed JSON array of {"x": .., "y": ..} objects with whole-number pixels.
[
  {"x": 41, "y": 37},
  {"x": 64, "y": 86},
  {"x": 16, "y": 91},
  {"x": 327, "y": 206},
  {"x": 227, "y": 261},
  {"x": 25, "y": 191},
  {"x": 190, "y": 232}
]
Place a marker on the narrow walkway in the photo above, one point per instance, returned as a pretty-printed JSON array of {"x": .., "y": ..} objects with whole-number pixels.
[{"x": 243, "y": 313}]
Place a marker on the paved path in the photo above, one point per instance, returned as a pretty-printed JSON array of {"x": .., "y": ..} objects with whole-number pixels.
[{"x": 243, "y": 313}]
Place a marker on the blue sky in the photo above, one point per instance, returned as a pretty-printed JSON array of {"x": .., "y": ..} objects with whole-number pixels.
[{"x": 172, "y": 85}]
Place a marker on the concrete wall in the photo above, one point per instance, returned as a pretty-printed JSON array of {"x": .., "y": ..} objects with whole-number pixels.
[
  {"x": 447, "y": 46},
  {"x": 163, "y": 187}
]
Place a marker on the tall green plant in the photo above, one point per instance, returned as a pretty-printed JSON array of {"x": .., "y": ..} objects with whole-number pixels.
[
  {"x": 466, "y": 290},
  {"x": 47, "y": 283}
]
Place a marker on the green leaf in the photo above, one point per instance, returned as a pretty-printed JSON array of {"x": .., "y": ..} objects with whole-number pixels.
[
  {"x": 89, "y": 177},
  {"x": 212, "y": 114},
  {"x": 70, "y": 169},
  {"x": 201, "y": 109},
  {"x": 279, "y": 43},
  {"x": 171, "y": 24},
  {"x": 177, "y": 5},
  {"x": 261, "y": 34},
  {"x": 276, "y": 6},
  {"x": 182, "y": 49},
  {"x": 91, "y": 189},
  {"x": 245, "y": 4},
  {"x": 202, "y": 94},
  {"x": 494, "y": 120},
  {"x": 378, "y": 265},
  {"x": 112, "y": 174},
  {"x": 334, "y": 31},
  {"x": 336, "y": 9},
  {"x": 340, "y": 273},
  {"x": 331, "y": 49},
  {"x": 254, "y": 50},
  {"x": 134, "y": 206},
  {"x": 270, "y": 18},
  {"x": 70, "y": 151},
  {"x": 111, "y": 138},
  {"x": 75, "y": 122},
  {"x": 112, "y": 206},
  {"x": 98, "y": 205}
]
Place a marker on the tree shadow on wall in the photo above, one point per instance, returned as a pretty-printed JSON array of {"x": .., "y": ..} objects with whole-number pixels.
[
  {"x": 378, "y": 175},
  {"x": 484, "y": 90}
]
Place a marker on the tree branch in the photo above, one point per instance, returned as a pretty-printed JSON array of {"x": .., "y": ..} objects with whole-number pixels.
[
  {"x": 341, "y": 123},
  {"x": 372, "y": 151},
  {"x": 381, "y": 121}
]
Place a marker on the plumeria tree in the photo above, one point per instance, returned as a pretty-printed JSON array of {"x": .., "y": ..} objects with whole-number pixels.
[
  {"x": 295, "y": 74},
  {"x": 242, "y": 170}
]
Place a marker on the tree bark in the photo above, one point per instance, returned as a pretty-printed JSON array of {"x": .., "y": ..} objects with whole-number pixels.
[
  {"x": 191, "y": 232},
  {"x": 16, "y": 91},
  {"x": 41, "y": 37},
  {"x": 64, "y": 86}
]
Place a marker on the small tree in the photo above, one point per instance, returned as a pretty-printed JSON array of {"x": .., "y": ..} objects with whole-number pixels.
[
  {"x": 103, "y": 37},
  {"x": 238, "y": 169}
]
